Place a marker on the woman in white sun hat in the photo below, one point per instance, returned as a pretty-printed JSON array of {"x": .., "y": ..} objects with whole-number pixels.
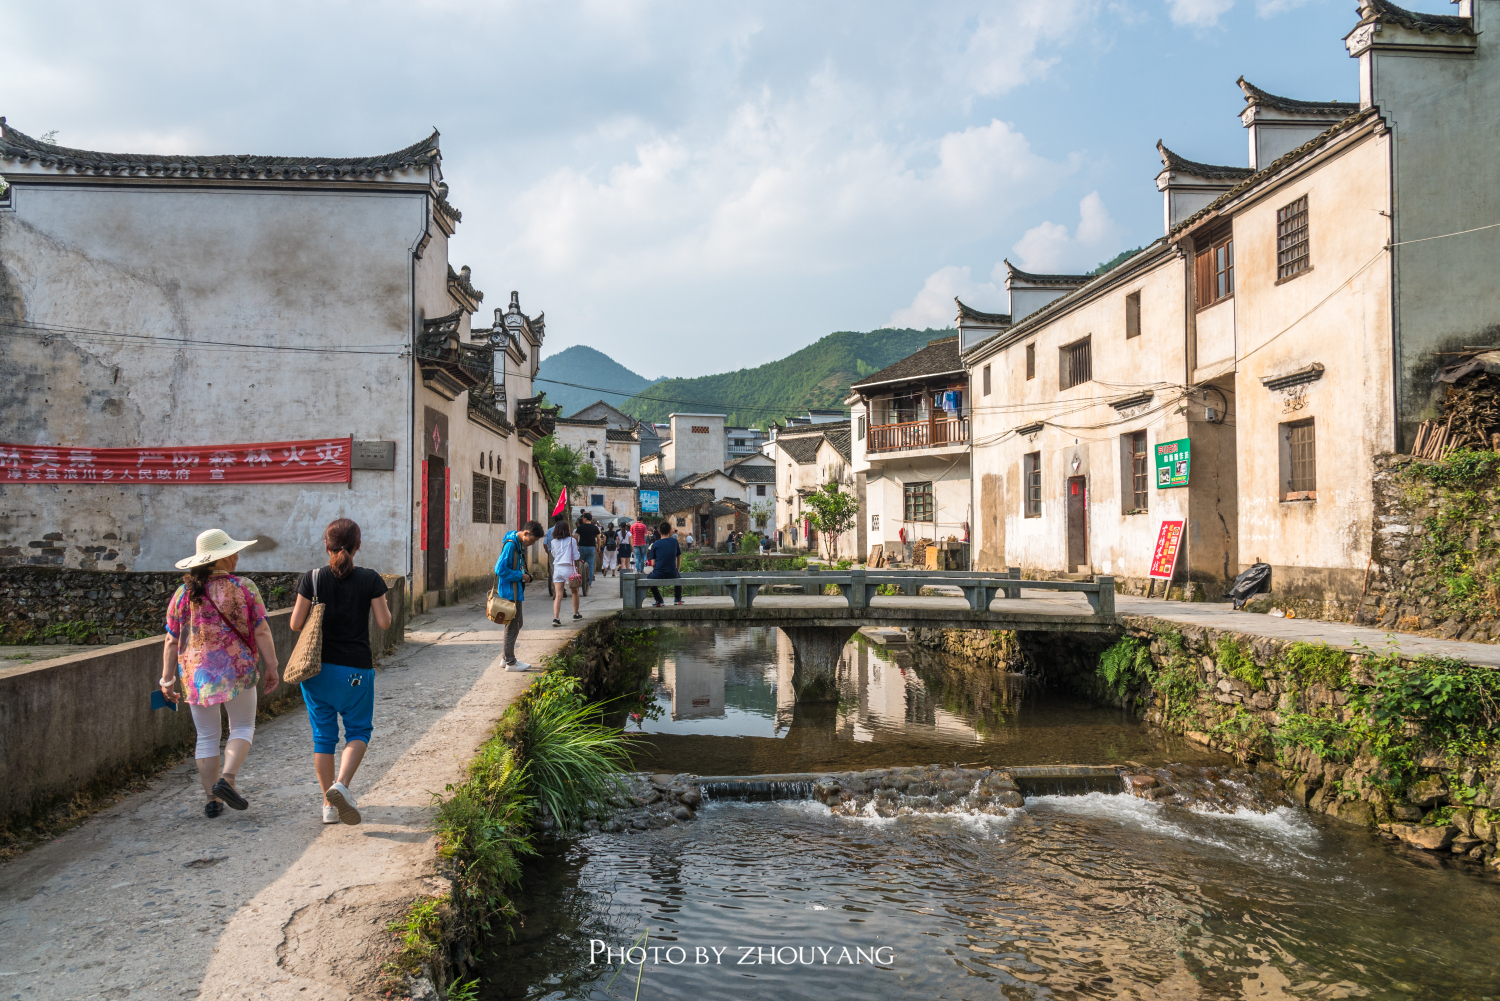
[{"x": 216, "y": 625}]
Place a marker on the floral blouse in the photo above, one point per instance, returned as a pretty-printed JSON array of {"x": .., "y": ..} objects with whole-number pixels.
[{"x": 213, "y": 662}]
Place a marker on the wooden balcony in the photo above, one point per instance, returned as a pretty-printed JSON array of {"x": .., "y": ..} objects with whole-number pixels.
[{"x": 936, "y": 432}]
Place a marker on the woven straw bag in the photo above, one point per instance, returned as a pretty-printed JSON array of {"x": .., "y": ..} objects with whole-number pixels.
[{"x": 307, "y": 656}]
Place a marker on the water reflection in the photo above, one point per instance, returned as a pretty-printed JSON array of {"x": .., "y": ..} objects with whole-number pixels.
[{"x": 897, "y": 706}]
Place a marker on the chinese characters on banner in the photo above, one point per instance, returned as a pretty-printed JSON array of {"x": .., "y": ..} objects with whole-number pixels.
[
  {"x": 321, "y": 460},
  {"x": 1168, "y": 541},
  {"x": 1172, "y": 461}
]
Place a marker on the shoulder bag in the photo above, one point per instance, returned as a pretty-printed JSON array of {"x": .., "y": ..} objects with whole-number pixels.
[{"x": 307, "y": 656}]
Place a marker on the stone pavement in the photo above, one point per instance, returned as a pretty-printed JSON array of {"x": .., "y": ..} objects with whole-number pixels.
[{"x": 150, "y": 899}]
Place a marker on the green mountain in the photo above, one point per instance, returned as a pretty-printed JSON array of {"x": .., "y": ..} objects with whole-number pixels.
[
  {"x": 586, "y": 367},
  {"x": 816, "y": 377}
]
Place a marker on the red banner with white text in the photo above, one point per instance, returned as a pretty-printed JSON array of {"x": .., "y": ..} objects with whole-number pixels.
[{"x": 319, "y": 460}]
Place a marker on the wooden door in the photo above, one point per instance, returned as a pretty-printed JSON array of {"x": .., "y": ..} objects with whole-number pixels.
[
  {"x": 437, "y": 523},
  {"x": 1078, "y": 533}
]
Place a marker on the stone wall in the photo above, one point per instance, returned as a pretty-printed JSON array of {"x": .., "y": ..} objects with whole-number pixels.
[
  {"x": 989, "y": 648},
  {"x": 1237, "y": 693}
]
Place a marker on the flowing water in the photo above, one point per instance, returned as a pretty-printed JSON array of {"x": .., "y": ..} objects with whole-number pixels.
[{"x": 1096, "y": 895}]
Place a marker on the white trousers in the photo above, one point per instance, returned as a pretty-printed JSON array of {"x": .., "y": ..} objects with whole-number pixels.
[{"x": 210, "y": 722}]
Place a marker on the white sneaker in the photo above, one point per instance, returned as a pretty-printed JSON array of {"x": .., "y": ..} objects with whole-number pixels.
[
  {"x": 330, "y": 815},
  {"x": 519, "y": 665},
  {"x": 342, "y": 800}
]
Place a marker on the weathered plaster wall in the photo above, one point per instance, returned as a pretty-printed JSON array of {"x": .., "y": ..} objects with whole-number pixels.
[
  {"x": 886, "y": 496},
  {"x": 103, "y": 268},
  {"x": 1335, "y": 315}
]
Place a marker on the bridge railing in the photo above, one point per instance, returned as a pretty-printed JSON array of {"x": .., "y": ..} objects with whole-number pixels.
[{"x": 859, "y": 586}]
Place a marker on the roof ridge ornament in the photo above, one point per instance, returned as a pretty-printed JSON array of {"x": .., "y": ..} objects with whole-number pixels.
[
  {"x": 1255, "y": 95},
  {"x": 1181, "y": 164}
]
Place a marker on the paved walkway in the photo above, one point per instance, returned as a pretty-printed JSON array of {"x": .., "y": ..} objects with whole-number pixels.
[{"x": 150, "y": 899}]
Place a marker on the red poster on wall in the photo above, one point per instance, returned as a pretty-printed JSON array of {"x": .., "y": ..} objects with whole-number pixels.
[
  {"x": 425, "y": 488},
  {"x": 319, "y": 460},
  {"x": 1168, "y": 541},
  {"x": 447, "y": 506}
]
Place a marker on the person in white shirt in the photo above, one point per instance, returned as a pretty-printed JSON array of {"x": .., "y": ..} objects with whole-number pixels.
[
  {"x": 690, "y": 538},
  {"x": 564, "y": 549}
]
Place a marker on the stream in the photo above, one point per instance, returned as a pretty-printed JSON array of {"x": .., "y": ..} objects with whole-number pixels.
[{"x": 1093, "y": 895}]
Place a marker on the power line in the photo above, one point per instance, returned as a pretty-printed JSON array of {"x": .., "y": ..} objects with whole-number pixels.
[{"x": 47, "y": 330}]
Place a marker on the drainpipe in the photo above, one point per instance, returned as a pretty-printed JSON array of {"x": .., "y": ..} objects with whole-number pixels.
[{"x": 973, "y": 522}]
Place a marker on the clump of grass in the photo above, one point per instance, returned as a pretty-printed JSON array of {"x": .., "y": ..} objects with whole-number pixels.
[
  {"x": 572, "y": 761},
  {"x": 1317, "y": 663},
  {"x": 1234, "y": 661}
]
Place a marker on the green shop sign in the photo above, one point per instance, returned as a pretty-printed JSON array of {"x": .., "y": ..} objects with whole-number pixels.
[{"x": 1172, "y": 459}]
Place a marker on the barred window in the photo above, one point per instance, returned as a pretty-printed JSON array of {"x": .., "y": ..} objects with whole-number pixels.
[
  {"x": 1292, "y": 247},
  {"x": 1303, "y": 455},
  {"x": 1031, "y": 481},
  {"x": 918, "y": 498},
  {"x": 1140, "y": 471},
  {"x": 481, "y": 503},
  {"x": 497, "y": 505},
  {"x": 1077, "y": 364}
]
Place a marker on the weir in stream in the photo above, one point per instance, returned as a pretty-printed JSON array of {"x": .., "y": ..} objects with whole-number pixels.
[{"x": 1200, "y": 881}]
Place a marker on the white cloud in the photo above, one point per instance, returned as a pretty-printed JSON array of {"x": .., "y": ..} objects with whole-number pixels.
[
  {"x": 1002, "y": 53},
  {"x": 1200, "y": 13},
  {"x": 1270, "y": 8},
  {"x": 1050, "y": 249},
  {"x": 933, "y": 305}
]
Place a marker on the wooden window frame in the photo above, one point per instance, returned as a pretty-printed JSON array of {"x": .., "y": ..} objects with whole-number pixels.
[
  {"x": 1132, "y": 315},
  {"x": 479, "y": 507},
  {"x": 1140, "y": 470},
  {"x": 1213, "y": 268},
  {"x": 1075, "y": 363},
  {"x": 916, "y": 498},
  {"x": 497, "y": 489},
  {"x": 1031, "y": 485},
  {"x": 1031, "y": 360},
  {"x": 1293, "y": 240},
  {"x": 1302, "y": 460}
]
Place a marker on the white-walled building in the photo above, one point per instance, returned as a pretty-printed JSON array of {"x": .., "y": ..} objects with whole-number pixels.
[
  {"x": 808, "y": 456},
  {"x": 197, "y": 300},
  {"x": 910, "y": 450}
]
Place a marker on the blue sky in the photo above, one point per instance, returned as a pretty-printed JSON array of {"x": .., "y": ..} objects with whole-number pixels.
[{"x": 698, "y": 187}]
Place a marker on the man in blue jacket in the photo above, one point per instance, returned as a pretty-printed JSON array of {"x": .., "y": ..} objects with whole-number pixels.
[{"x": 511, "y": 580}]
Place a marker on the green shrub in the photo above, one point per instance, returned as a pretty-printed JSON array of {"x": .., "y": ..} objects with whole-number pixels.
[
  {"x": 1317, "y": 663},
  {"x": 1126, "y": 664},
  {"x": 1328, "y": 738},
  {"x": 1232, "y": 659},
  {"x": 571, "y": 761}
]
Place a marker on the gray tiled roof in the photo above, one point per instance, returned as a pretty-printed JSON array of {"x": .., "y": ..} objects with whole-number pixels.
[
  {"x": 674, "y": 499},
  {"x": 1171, "y": 161},
  {"x": 18, "y": 146},
  {"x": 1384, "y": 12},
  {"x": 969, "y": 313},
  {"x": 620, "y": 434},
  {"x": 1254, "y": 95},
  {"x": 840, "y": 439},
  {"x": 1065, "y": 281},
  {"x": 939, "y": 357},
  {"x": 803, "y": 449},
  {"x": 754, "y": 474}
]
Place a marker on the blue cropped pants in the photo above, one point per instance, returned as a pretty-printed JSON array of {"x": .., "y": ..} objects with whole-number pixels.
[{"x": 340, "y": 692}]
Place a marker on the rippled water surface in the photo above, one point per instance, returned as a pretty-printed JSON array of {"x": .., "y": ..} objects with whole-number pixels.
[{"x": 1088, "y": 896}]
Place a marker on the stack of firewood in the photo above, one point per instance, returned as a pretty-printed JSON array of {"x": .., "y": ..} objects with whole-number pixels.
[{"x": 1472, "y": 419}]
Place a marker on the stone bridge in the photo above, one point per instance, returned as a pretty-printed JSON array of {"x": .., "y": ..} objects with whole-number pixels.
[{"x": 819, "y": 623}]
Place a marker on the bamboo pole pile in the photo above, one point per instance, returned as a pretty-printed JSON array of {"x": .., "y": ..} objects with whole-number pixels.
[{"x": 1471, "y": 419}]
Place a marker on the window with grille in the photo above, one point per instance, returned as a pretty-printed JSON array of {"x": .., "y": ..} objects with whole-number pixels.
[
  {"x": 1031, "y": 361},
  {"x": 874, "y": 522},
  {"x": 1132, "y": 315},
  {"x": 1077, "y": 364},
  {"x": 760, "y": 490},
  {"x": 918, "y": 498},
  {"x": 1292, "y": 254},
  {"x": 481, "y": 503},
  {"x": 1214, "y": 268},
  {"x": 986, "y": 380},
  {"x": 497, "y": 502},
  {"x": 1138, "y": 491},
  {"x": 1031, "y": 481},
  {"x": 596, "y": 500},
  {"x": 1302, "y": 459}
]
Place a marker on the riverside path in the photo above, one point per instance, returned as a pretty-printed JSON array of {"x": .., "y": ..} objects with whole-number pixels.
[{"x": 150, "y": 899}]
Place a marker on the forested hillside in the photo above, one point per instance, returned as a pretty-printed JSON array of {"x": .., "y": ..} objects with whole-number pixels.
[
  {"x": 818, "y": 376},
  {"x": 586, "y": 367}
]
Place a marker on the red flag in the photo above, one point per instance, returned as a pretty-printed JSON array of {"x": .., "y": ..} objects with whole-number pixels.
[{"x": 562, "y": 503}]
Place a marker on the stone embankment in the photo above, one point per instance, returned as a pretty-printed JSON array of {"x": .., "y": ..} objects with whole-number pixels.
[{"x": 1310, "y": 715}]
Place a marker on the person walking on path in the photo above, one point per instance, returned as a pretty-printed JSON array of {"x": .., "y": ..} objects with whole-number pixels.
[
  {"x": 511, "y": 579},
  {"x": 564, "y": 549},
  {"x": 611, "y": 551},
  {"x": 640, "y": 538},
  {"x": 626, "y": 561},
  {"x": 665, "y": 553},
  {"x": 588, "y": 545},
  {"x": 344, "y": 687},
  {"x": 216, "y": 625}
]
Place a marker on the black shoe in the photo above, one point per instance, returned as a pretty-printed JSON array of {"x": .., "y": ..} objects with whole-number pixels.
[
  {"x": 576, "y": 617},
  {"x": 213, "y": 808},
  {"x": 226, "y": 792},
  {"x": 557, "y": 622}
]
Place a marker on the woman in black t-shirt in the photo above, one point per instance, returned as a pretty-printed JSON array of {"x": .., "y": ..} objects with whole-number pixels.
[{"x": 344, "y": 686}]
